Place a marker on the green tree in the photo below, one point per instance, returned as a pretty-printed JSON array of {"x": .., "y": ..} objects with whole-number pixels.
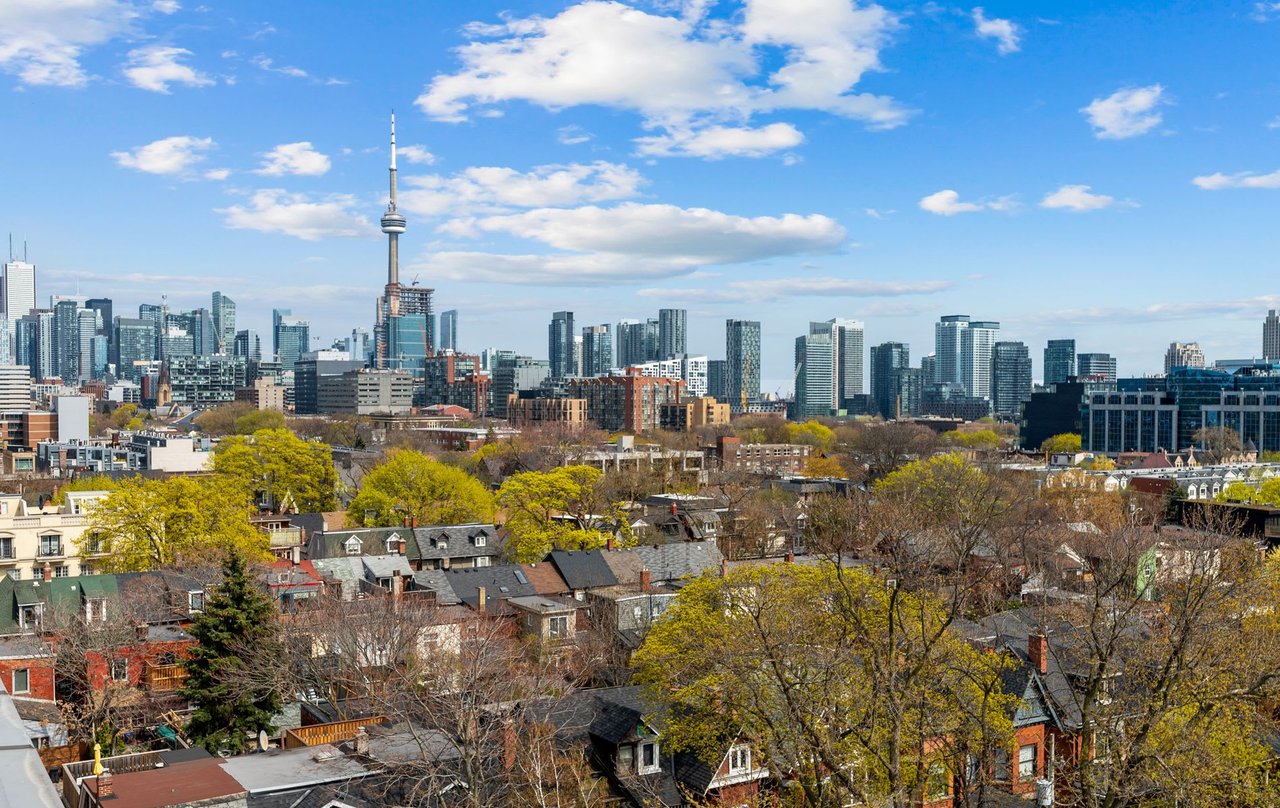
[
  {"x": 813, "y": 433},
  {"x": 275, "y": 464},
  {"x": 1238, "y": 492},
  {"x": 153, "y": 524},
  {"x": 258, "y": 420},
  {"x": 221, "y": 420},
  {"x": 980, "y": 439},
  {"x": 851, "y": 685},
  {"x": 411, "y": 485},
  {"x": 237, "y": 626},
  {"x": 1066, "y": 442},
  {"x": 536, "y": 502},
  {"x": 84, "y": 482}
]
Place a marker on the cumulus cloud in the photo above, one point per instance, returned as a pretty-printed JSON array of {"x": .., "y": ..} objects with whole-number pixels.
[
  {"x": 170, "y": 155},
  {"x": 715, "y": 142},
  {"x": 299, "y": 158},
  {"x": 947, "y": 203},
  {"x": 493, "y": 188},
  {"x": 1076, "y": 198},
  {"x": 155, "y": 67},
  {"x": 41, "y": 41},
  {"x": 1126, "y": 113},
  {"x": 416, "y": 154},
  {"x": 274, "y": 210},
  {"x": 1004, "y": 32},
  {"x": 766, "y": 289},
  {"x": 680, "y": 72},
  {"x": 1243, "y": 179}
]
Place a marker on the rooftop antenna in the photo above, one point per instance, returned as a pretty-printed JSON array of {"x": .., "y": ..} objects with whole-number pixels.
[
  {"x": 11, "y": 246},
  {"x": 24, "y": 251}
]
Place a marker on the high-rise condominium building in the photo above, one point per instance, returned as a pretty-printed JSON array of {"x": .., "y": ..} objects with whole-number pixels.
[
  {"x": 978, "y": 343},
  {"x": 1010, "y": 378},
  {"x": 637, "y": 342},
  {"x": 672, "y": 333},
  {"x": 247, "y": 346},
  {"x": 224, "y": 323},
  {"x": 291, "y": 337},
  {"x": 135, "y": 345},
  {"x": 1059, "y": 360},
  {"x": 597, "y": 350},
  {"x": 560, "y": 345},
  {"x": 847, "y": 345},
  {"x": 886, "y": 360},
  {"x": 949, "y": 348},
  {"x": 1096, "y": 367},
  {"x": 1271, "y": 337},
  {"x": 742, "y": 362},
  {"x": 1183, "y": 355},
  {"x": 449, "y": 330},
  {"x": 815, "y": 390}
]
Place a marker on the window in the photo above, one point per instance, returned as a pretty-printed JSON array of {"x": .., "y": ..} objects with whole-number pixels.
[
  {"x": 61, "y": 571},
  {"x": 938, "y": 781},
  {"x": 739, "y": 759},
  {"x": 119, "y": 670},
  {"x": 479, "y": 539},
  {"x": 51, "y": 545},
  {"x": 195, "y": 601},
  {"x": 393, "y": 544},
  {"x": 1027, "y": 762},
  {"x": 626, "y": 759},
  {"x": 16, "y": 574},
  {"x": 95, "y": 610},
  {"x": 21, "y": 680},
  {"x": 6, "y": 547},
  {"x": 352, "y": 546},
  {"x": 29, "y": 615},
  {"x": 649, "y": 758},
  {"x": 558, "y": 626},
  {"x": 483, "y": 561}
]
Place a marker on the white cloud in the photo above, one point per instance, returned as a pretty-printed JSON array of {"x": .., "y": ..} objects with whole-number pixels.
[
  {"x": 1076, "y": 198},
  {"x": 416, "y": 154},
  {"x": 1243, "y": 179},
  {"x": 294, "y": 158},
  {"x": 1265, "y": 11},
  {"x": 715, "y": 142},
  {"x": 572, "y": 135},
  {"x": 947, "y": 203},
  {"x": 217, "y": 174},
  {"x": 263, "y": 63},
  {"x": 41, "y": 41},
  {"x": 680, "y": 73},
  {"x": 170, "y": 155},
  {"x": 1126, "y": 113},
  {"x": 274, "y": 210},
  {"x": 155, "y": 67},
  {"x": 166, "y": 6},
  {"x": 490, "y": 188},
  {"x": 1004, "y": 32},
  {"x": 767, "y": 289},
  {"x": 1274, "y": 123}
]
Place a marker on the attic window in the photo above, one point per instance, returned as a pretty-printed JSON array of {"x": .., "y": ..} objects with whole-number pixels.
[
  {"x": 649, "y": 758},
  {"x": 739, "y": 759},
  {"x": 478, "y": 540},
  {"x": 393, "y": 543},
  {"x": 352, "y": 546},
  {"x": 195, "y": 601}
]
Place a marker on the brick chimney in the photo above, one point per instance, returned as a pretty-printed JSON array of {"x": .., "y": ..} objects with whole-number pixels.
[
  {"x": 675, "y": 509},
  {"x": 47, "y": 571},
  {"x": 1038, "y": 651},
  {"x": 106, "y": 788},
  {"x": 480, "y": 599},
  {"x": 361, "y": 741},
  {"x": 401, "y": 548},
  {"x": 609, "y": 542},
  {"x": 645, "y": 579}
]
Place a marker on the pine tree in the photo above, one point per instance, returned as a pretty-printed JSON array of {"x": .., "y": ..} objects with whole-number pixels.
[{"x": 232, "y": 703}]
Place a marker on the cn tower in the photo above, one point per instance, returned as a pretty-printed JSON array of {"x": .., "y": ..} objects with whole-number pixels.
[{"x": 392, "y": 221}]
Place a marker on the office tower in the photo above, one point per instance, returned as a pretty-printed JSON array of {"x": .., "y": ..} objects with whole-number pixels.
[
  {"x": 637, "y": 342},
  {"x": 449, "y": 330},
  {"x": 815, "y": 389},
  {"x": 742, "y": 362},
  {"x": 1183, "y": 355},
  {"x": 1010, "y": 378},
  {"x": 672, "y": 333},
  {"x": 156, "y": 314},
  {"x": 949, "y": 348},
  {"x": 248, "y": 346},
  {"x": 929, "y": 367},
  {"x": 92, "y": 356},
  {"x": 204, "y": 332},
  {"x": 290, "y": 339},
  {"x": 404, "y": 334},
  {"x": 135, "y": 344},
  {"x": 693, "y": 369},
  {"x": 514, "y": 374},
  {"x": 886, "y": 359},
  {"x": 224, "y": 323},
  {"x": 15, "y": 388},
  {"x": 106, "y": 323},
  {"x": 1271, "y": 337},
  {"x": 358, "y": 344},
  {"x": 17, "y": 290},
  {"x": 846, "y": 348},
  {"x": 597, "y": 350},
  {"x": 33, "y": 343},
  {"x": 8, "y": 336},
  {"x": 66, "y": 340},
  {"x": 560, "y": 344},
  {"x": 977, "y": 344},
  {"x": 1096, "y": 367},
  {"x": 1059, "y": 361},
  {"x": 715, "y": 380}
]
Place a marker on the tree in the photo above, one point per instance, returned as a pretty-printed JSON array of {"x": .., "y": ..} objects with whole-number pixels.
[
  {"x": 823, "y": 466},
  {"x": 274, "y": 464},
  {"x": 1098, "y": 462},
  {"x": 1217, "y": 439},
  {"x": 83, "y": 482},
  {"x": 982, "y": 439},
  {"x": 221, "y": 420},
  {"x": 411, "y": 485},
  {"x": 813, "y": 433},
  {"x": 849, "y": 684},
  {"x": 257, "y": 420},
  {"x": 557, "y": 509},
  {"x": 238, "y": 624},
  {"x": 153, "y": 524},
  {"x": 1064, "y": 443},
  {"x": 885, "y": 447},
  {"x": 1238, "y": 492}
]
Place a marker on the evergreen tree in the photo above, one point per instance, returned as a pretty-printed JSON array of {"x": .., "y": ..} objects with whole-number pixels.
[{"x": 238, "y": 622}]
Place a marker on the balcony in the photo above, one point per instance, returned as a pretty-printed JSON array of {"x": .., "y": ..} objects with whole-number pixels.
[
  {"x": 164, "y": 678},
  {"x": 334, "y": 733}
]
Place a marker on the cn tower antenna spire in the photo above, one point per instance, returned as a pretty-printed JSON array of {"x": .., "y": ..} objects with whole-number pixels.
[{"x": 393, "y": 222}]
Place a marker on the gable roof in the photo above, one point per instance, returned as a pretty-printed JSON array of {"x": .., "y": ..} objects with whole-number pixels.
[
  {"x": 583, "y": 569},
  {"x": 671, "y": 562},
  {"x": 500, "y": 582},
  {"x": 545, "y": 579}
]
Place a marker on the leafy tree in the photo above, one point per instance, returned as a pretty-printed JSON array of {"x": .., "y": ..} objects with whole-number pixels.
[
  {"x": 258, "y": 420},
  {"x": 1064, "y": 443},
  {"x": 813, "y": 433},
  {"x": 1099, "y": 462},
  {"x": 534, "y": 500},
  {"x": 152, "y": 524},
  {"x": 1217, "y": 439},
  {"x": 275, "y": 463},
  {"x": 411, "y": 485},
  {"x": 84, "y": 482},
  {"x": 221, "y": 420},
  {"x": 1238, "y": 492},
  {"x": 824, "y": 466},
  {"x": 237, "y": 624},
  {"x": 884, "y": 447},
  {"x": 980, "y": 439},
  {"x": 849, "y": 684}
]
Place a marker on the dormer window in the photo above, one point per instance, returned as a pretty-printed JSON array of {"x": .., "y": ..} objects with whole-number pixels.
[
  {"x": 478, "y": 540},
  {"x": 649, "y": 758},
  {"x": 393, "y": 544},
  {"x": 195, "y": 601},
  {"x": 29, "y": 615},
  {"x": 95, "y": 610},
  {"x": 352, "y": 546},
  {"x": 739, "y": 759}
]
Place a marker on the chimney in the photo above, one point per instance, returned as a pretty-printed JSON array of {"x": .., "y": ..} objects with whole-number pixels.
[
  {"x": 609, "y": 542},
  {"x": 789, "y": 558},
  {"x": 106, "y": 788},
  {"x": 1038, "y": 651},
  {"x": 362, "y": 741},
  {"x": 645, "y": 579},
  {"x": 295, "y": 554},
  {"x": 413, "y": 522},
  {"x": 480, "y": 599},
  {"x": 48, "y": 572},
  {"x": 402, "y": 546},
  {"x": 674, "y": 509}
]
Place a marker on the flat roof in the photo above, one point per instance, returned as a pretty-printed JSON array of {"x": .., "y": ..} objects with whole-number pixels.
[
  {"x": 179, "y": 784},
  {"x": 281, "y": 770}
]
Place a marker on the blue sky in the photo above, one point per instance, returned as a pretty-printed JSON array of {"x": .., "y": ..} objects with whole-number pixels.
[{"x": 1102, "y": 170}]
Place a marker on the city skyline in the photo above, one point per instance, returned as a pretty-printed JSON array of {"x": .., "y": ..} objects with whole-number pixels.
[{"x": 894, "y": 198}]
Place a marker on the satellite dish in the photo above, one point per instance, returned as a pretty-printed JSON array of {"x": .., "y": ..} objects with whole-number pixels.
[{"x": 264, "y": 743}]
